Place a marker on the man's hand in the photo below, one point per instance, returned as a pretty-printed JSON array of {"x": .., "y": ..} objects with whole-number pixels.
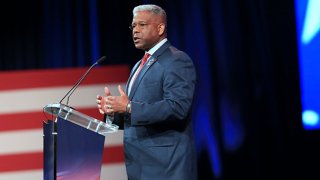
[
  {"x": 117, "y": 103},
  {"x": 112, "y": 104},
  {"x": 101, "y": 100}
]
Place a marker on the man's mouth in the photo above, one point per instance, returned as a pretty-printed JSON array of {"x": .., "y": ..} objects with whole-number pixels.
[{"x": 136, "y": 39}]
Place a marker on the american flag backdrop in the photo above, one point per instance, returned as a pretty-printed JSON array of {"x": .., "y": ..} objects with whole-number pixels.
[{"x": 23, "y": 94}]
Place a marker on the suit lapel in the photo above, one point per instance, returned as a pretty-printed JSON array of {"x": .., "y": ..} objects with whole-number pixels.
[
  {"x": 146, "y": 67},
  {"x": 134, "y": 69},
  {"x": 143, "y": 71}
]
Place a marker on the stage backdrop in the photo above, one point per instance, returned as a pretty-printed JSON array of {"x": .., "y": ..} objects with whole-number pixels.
[{"x": 23, "y": 95}]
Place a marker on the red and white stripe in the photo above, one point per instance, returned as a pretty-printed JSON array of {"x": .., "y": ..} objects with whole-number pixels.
[{"x": 23, "y": 94}]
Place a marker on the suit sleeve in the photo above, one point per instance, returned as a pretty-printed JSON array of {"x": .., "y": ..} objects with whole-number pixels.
[{"x": 178, "y": 85}]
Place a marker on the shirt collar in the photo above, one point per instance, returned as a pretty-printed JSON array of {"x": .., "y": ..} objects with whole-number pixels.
[{"x": 157, "y": 46}]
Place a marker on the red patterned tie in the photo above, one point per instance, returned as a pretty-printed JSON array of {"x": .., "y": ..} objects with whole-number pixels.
[{"x": 144, "y": 60}]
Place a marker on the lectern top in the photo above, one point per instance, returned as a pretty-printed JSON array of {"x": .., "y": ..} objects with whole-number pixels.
[{"x": 76, "y": 117}]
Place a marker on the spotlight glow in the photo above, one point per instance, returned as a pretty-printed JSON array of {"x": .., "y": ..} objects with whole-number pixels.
[
  {"x": 310, "y": 118},
  {"x": 312, "y": 21}
]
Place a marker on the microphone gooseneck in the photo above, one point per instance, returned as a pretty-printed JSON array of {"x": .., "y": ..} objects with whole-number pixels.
[{"x": 70, "y": 92}]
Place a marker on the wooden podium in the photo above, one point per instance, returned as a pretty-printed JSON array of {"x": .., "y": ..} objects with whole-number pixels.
[{"x": 73, "y": 144}]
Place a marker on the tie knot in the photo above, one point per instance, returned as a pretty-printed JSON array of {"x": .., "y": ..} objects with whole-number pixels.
[{"x": 144, "y": 59}]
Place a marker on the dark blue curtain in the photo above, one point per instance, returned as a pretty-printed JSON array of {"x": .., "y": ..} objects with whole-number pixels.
[{"x": 247, "y": 107}]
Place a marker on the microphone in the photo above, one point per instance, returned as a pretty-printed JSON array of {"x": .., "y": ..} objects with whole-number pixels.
[{"x": 70, "y": 92}]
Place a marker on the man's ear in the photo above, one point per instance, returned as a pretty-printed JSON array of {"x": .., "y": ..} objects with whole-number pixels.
[{"x": 161, "y": 29}]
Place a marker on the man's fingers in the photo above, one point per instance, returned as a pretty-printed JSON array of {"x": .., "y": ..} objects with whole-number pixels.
[
  {"x": 121, "y": 91},
  {"x": 109, "y": 99},
  {"x": 101, "y": 112},
  {"x": 101, "y": 101},
  {"x": 108, "y": 109},
  {"x": 107, "y": 91},
  {"x": 99, "y": 97}
]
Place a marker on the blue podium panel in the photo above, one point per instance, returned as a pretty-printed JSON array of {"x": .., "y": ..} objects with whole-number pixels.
[
  {"x": 79, "y": 152},
  {"x": 73, "y": 146}
]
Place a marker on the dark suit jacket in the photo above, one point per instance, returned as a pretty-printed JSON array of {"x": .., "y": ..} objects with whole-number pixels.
[{"x": 158, "y": 138}]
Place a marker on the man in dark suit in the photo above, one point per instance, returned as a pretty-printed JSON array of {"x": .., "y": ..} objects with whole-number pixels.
[{"x": 155, "y": 110}]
